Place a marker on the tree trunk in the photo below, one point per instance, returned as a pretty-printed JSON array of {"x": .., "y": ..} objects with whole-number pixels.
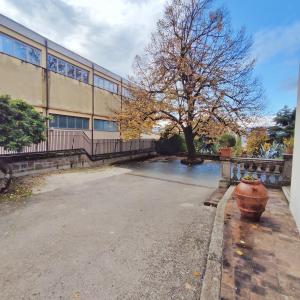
[
  {"x": 6, "y": 177},
  {"x": 189, "y": 140}
]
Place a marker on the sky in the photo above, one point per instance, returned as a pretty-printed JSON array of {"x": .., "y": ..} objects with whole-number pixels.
[{"x": 111, "y": 33}]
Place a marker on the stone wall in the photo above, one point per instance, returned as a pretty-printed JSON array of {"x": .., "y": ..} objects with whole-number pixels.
[{"x": 28, "y": 165}]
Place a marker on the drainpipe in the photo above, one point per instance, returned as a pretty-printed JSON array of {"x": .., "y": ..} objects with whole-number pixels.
[
  {"x": 121, "y": 141},
  {"x": 93, "y": 107},
  {"x": 47, "y": 96}
]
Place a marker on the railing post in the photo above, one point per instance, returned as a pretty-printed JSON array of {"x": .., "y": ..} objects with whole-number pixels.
[
  {"x": 287, "y": 169},
  {"x": 224, "y": 182},
  {"x": 121, "y": 145}
]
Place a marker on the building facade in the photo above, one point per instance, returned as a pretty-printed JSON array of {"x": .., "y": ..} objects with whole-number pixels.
[
  {"x": 76, "y": 92},
  {"x": 295, "y": 187}
]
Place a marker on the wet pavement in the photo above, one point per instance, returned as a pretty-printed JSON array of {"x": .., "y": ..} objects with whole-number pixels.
[
  {"x": 261, "y": 260},
  {"x": 170, "y": 168}
]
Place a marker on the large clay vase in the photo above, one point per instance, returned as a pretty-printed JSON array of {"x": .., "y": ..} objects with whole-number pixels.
[
  {"x": 225, "y": 152},
  {"x": 251, "y": 197}
]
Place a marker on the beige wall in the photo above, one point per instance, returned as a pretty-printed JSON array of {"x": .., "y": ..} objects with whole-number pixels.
[
  {"x": 106, "y": 103},
  {"x": 69, "y": 94},
  {"x": 295, "y": 188},
  {"x": 22, "y": 80}
]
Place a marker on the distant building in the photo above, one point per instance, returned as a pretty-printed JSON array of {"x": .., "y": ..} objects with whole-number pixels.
[{"x": 76, "y": 92}]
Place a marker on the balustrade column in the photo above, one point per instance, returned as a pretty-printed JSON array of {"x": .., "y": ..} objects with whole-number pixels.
[
  {"x": 287, "y": 169},
  {"x": 225, "y": 173}
]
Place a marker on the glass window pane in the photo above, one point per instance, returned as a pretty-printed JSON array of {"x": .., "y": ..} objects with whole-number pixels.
[
  {"x": 62, "y": 123},
  {"x": 71, "y": 122},
  {"x": 20, "y": 50},
  {"x": 54, "y": 121},
  {"x": 34, "y": 55},
  {"x": 61, "y": 67},
  {"x": 85, "y": 123},
  {"x": 52, "y": 63},
  {"x": 78, "y": 73},
  {"x": 8, "y": 45},
  {"x": 99, "y": 125},
  {"x": 114, "y": 126},
  {"x": 85, "y": 76},
  {"x": 71, "y": 70},
  {"x": 96, "y": 80},
  {"x": 78, "y": 123},
  {"x": 1, "y": 43}
]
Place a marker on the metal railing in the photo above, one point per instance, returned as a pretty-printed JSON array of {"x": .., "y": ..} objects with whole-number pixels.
[{"x": 59, "y": 140}]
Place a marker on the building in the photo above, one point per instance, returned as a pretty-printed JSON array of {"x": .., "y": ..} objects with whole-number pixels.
[
  {"x": 76, "y": 92},
  {"x": 295, "y": 187}
]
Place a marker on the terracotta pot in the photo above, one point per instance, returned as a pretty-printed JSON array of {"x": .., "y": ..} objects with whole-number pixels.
[
  {"x": 289, "y": 150},
  {"x": 251, "y": 197},
  {"x": 225, "y": 152}
]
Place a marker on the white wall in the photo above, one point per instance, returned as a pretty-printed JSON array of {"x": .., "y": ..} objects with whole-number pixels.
[{"x": 295, "y": 188}]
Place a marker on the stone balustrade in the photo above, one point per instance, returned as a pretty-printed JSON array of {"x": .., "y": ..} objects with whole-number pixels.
[{"x": 272, "y": 172}]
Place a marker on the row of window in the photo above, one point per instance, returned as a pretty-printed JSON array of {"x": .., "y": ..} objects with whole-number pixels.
[
  {"x": 126, "y": 93},
  {"x": 104, "y": 125},
  {"x": 105, "y": 84},
  {"x": 70, "y": 122},
  {"x": 62, "y": 67},
  {"x": 19, "y": 50}
]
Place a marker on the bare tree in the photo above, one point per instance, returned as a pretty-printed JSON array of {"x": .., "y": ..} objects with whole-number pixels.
[{"x": 196, "y": 73}]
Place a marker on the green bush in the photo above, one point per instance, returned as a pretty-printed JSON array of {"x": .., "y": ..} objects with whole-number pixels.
[
  {"x": 206, "y": 145},
  {"x": 171, "y": 145},
  {"x": 20, "y": 124},
  {"x": 238, "y": 148},
  {"x": 227, "y": 140}
]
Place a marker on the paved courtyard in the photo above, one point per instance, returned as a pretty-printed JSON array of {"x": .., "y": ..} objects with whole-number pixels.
[
  {"x": 261, "y": 260},
  {"x": 106, "y": 234}
]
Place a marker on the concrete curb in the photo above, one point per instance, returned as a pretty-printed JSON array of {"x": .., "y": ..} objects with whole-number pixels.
[{"x": 211, "y": 285}]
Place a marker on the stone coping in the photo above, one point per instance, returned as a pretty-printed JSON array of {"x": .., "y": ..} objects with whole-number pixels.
[{"x": 211, "y": 284}]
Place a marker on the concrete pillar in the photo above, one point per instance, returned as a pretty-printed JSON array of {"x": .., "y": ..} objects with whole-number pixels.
[
  {"x": 287, "y": 169},
  {"x": 225, "y": 173},
  {"x": 295, "y": 187}
]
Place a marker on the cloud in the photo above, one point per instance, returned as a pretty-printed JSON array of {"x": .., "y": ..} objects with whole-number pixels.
[
  {"x": 109, "y": 33},
  {"x": 264, "y": 121},
  {"x": 281, "y": 40}
]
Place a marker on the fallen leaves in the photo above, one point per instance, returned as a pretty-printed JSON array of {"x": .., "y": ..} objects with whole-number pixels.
[
  {"x": 189, "y": 287},
  {"x": 239, "y": 252},
  {"x": 196, "y": 274}
]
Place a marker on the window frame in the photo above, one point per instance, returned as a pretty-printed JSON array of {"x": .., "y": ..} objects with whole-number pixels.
[
  {"x": 58, "y": 119},
  {"x": 27, "y": 47},
  {"x": 105, "y": 84},
  {"x": 106, "y": 125},
  {"x": 84, "y": 74}
]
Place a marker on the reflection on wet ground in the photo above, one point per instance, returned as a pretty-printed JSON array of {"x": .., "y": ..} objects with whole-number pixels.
[
  {"x": 171, "y": 169},
  {"x": 261, "y": 260}
]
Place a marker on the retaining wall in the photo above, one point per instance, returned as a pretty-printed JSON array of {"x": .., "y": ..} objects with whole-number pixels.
[{"x": 35, "y": 164}]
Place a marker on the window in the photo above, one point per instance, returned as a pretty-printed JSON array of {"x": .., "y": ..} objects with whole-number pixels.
[
  {"x": 126, "y": 93},
  {"x": 69, "y": 122},
  {"x": 104, "y": 125},
  {"x": 19, "y": 49},
  {"x": 62, "y": 67},
  {"x": 105, "y": 84}
]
